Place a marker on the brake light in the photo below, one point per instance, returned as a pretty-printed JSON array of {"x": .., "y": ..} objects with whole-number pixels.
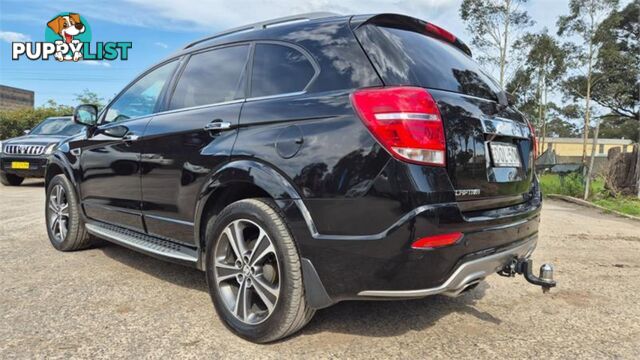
[
  {"x": 406, "y": 122},
  {"x": 534, "y": 138},
  {"x": 436, "y": 241},
  {"x": 440, "y": 32}
]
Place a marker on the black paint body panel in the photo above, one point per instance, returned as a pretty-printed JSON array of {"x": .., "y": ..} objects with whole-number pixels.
[{"x": 353, "y": 209}]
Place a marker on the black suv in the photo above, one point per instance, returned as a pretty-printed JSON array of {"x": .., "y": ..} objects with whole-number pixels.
[
  {"x": 304, "y": 161},
  {"x": 26, "y": 156}
]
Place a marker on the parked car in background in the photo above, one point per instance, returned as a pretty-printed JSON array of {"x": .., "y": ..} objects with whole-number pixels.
[
  {"x": 304, "y": 161},
  {"x": 26, "y": 156}
]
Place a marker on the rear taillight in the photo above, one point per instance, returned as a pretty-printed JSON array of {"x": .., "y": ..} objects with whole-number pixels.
[
  {"x": 406, "y": 122},
  {"x": 534, "y": 139}
]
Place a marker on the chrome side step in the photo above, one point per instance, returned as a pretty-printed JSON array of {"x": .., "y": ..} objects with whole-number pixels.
[{"x": 160, "y": 248}]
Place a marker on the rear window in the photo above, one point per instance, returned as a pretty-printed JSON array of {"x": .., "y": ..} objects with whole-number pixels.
[
  {"x": 212, "y": 77},
  {"x": 279, "y": 69},
  {"x": 404, "y": 57}
]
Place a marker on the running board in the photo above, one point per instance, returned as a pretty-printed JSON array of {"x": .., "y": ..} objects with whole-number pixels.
[{"x": 150, "y": 245}]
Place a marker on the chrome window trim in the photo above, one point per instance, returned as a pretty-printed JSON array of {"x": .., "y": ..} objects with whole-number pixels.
[
  {"x": 295, "y": 93},
  {"x": 199, "y": 107}
]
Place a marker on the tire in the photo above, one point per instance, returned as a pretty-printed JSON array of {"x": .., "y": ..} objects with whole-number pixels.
[
  {"x": 76, "y": 236},
  {"x": 10, "y": 179},
  {"x": 290, "y": 311}
]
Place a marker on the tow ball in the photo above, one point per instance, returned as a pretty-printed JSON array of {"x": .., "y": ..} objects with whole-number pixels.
[{"x": 525, "y": 267}]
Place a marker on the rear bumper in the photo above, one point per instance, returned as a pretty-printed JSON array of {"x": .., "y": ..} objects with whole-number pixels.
[
  {"x": 37, "y": 165},
  {"x": 383, "y": 265},
  {"x": 467, "y": 274}
]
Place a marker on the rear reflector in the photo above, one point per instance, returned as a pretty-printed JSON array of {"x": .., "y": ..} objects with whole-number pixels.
[
  {"x": 406, "y": 122},
  {"x": 436, "y": 241}
]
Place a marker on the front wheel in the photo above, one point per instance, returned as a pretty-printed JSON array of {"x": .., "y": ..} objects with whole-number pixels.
[
  {"x": 254, "y": 273},
  {"x": 10, "y": 179},
  {"x": 62, "y": 213}
]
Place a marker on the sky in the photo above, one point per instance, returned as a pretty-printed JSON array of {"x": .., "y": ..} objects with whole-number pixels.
[{"x": 157, "y": 28}]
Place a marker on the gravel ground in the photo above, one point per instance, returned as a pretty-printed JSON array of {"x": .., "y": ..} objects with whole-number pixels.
[{"x": 112, "y": 302}]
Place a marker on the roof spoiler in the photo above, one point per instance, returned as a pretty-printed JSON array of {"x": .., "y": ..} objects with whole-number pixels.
[{"x": 416, "y": 25}]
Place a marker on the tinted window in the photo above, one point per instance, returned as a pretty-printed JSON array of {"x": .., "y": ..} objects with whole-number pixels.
[
  {"x": 405, "y": 57},
  {"x": 279, "y": 69},
  {"x": 212, "y": 77},
  {"x": 56, "y": 126},
  {"x": 141, "y": 98}
]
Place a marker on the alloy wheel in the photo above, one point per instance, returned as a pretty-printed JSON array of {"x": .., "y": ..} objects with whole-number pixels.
[
  {"x": 58, "y": 213},
  {"x": 247, "y": 272}
]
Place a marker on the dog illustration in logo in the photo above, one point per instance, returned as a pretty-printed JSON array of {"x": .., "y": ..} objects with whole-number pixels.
[{"x": 67, "y": 27}]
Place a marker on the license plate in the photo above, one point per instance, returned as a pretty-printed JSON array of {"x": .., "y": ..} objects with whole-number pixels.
[
  {"x": 19, "y": 165},
  {"x": 505, "y": 155}
]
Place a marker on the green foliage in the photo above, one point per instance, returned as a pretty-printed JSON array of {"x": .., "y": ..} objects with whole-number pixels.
[
  {"x": 495, "y": 25},
  {"x": 89, "y": 97},
  {"x": 14, "y": 122},
  {"x": 545, "y": 65},
  {"x": 569, "y": 185},
  {"x": 624, "y": 205},
  {"x": 619, "y": 127}
]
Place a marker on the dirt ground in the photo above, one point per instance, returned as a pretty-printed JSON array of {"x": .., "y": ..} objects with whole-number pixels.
[{"x": 111, "y": 302}]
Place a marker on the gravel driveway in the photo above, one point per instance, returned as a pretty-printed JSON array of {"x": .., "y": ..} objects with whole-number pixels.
[{"x": 112, "y": 302}]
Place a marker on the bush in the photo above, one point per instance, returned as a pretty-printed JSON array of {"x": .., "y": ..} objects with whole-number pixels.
[
  {"x": 14, "y": 122},
  {"x": 570, "y": 185}
]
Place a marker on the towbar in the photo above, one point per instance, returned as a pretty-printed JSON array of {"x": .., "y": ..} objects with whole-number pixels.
[{"x": 525, "y": 267}]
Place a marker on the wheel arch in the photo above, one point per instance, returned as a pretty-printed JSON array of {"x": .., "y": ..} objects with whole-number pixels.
[
  {"x": 250, "y": 179},
  {"x": 57, "y": 166},
  {"x": 235, "y": 181}
]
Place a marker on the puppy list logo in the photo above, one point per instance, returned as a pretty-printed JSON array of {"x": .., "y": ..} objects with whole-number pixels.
[{"x": 68, "y": 38}]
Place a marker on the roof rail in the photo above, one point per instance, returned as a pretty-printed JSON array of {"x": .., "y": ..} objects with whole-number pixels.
[{"x": 266, "y": 24}]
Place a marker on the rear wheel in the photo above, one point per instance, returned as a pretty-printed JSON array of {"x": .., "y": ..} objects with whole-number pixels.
[
  {"x": 64, "y": 224},
  {"x": 254, "y": 273},
  {"x": 10, "y": 179}
]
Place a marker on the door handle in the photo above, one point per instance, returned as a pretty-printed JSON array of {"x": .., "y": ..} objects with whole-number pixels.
[
  {"x": 217, "y": 126},
  {"x": 130, "y": 137}
]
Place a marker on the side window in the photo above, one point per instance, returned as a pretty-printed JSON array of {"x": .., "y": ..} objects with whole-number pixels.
[
  {"x": 141, "y": 98},
  {"x": 279, "y": 69},
  {"x": 212, "y": 77}
]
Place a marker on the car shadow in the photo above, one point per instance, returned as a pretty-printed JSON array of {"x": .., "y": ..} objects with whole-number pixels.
[
  {"x": 33, "y": 183},
  {"x": 174, "y": 273},
  {"x": 393, "y": 318},
  {"x": 364, "y": 318}
]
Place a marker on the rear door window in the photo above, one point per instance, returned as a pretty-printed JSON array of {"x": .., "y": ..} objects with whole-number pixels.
[
  {"x": 211, "y": 77},
  {"x": 279, "y": 69},
  {"x": 404, "y": 57}
]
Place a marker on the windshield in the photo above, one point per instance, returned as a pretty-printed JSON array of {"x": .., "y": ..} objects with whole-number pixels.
[{"x": 56, "y": 126}]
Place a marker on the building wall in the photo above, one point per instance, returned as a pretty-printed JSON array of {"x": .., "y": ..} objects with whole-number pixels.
[
  {"x": 13, "y": 98},
  {"x": 572, "y": 149}
]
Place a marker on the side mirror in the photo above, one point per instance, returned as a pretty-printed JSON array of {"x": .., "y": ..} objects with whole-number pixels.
[
  {"x": 85, "y": 114},
  {"x": 26, "y": 132}
]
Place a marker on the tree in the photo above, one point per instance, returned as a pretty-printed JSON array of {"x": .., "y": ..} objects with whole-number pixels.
[
  {"x": 617, "y": 63},
  {"x": 585, "y": 16},
  {"x": 545, "y": 65},
  {"x": 496, "y": 26},
  {"x": 89, "y": 97}
]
